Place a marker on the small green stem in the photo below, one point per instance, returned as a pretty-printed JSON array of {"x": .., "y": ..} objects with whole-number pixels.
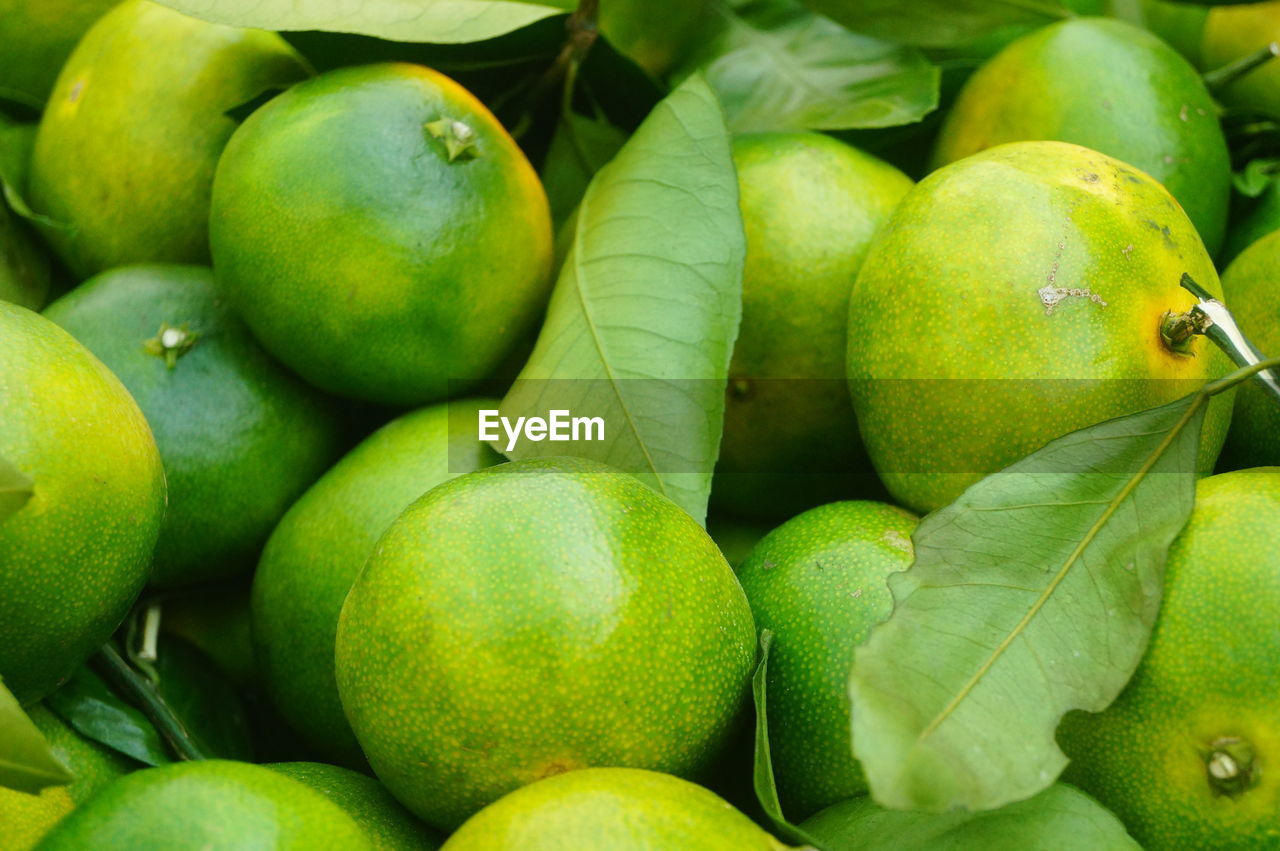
[
  {"x": 142, "y": 693},
  {"x": 1220, "y": 78},
  {"x": 1240, "y": 375}
]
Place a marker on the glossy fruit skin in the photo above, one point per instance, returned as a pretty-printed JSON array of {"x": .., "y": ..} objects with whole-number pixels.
[
  {"x": 818, "y": 582},
  {"x": 320, "y": 546},
  {"x": 25, "y": 817},
  {"x": 387, "y": 824},
  {"x": 210, "y": 804},
  {"x": 240, "y": 437},
  {"x": 810, "y": 206},
  {"x": 364, "y": 258},
  {"x": 622, "y": 809},
  {"x": 955, "y": 287},
  {"x": 1249, "y": 286},
  {"x": 38, "y": 37},
  {"x": 1232, "y": 33},
  {"x": 537, "y": 617},
  {"x": 1208, "y": 674},
  {"x": 73, "y": 559},
  {"x": 1111, "y": 87},
  {"x": 139, "y": 108}
]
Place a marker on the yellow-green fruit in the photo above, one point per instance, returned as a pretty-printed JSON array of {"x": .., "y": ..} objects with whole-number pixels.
[
  {"x": 126, "y": 151},
  {"x": 387, "y": 824},
  {"x": 38, "y": 35},
  {"x": 534, "y": 618},
  {"x": 1187, "y": 756},
  {"x": 381, "y": 233},
  {"x": 212, "y": 805},
  {"x": 818, "y": 582},
  {"x": 1111, "y": 87},
  {"x": 810, "y": 206},
  {"x": 655, "y": 34},
  {"x": 320, "y": 546},
  {"x": 1233, "y": 32},
  {"x": 25, "y": 818},
  {"x": 1013, "y": 297},
  {"x": 77, "y": 553},
  {"x": 621, "y": 809},
  {"x": 1250, "y": 288}
]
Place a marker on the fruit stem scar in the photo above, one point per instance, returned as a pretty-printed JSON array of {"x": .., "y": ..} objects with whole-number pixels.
[
  {"x": 1217, "y": 323},
  {"x": 171, "y": 342},
  {"x": 458, "y": 137},
  {"x": 1229, "y": 766}
]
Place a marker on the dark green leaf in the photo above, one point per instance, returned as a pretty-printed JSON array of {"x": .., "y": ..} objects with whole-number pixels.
[
  {"x": 778, "y": 66},
  {"x": 15, "y": 489},
  {"x": 16, "y": 140},
  {"x": 580, "y": 147},
  {"x": 202, "y": 698},
  {"x": 92, "y": 709},
  {"x": 937, "y": 23},
  {"x": 26, "y": 763},
  {"x": 642, "y": 321},
  {"x": 762, "y": 774},
  {"x": 1032, "y": 594},
  {"x": 1257, "y": 176},
  {"x": 436, "y": 21}
]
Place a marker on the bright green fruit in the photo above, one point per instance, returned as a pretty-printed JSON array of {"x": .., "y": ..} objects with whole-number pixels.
[
  {"x": 1060, "y": 818},
  {"x": 655, "y": 34},
  {"x": 75, "y": 556},
  {"x": 1261, "y": 219},
  {"x": 240, "y": 436},
  {"x": 533, "y": 618},
  {"x": 38, "y": 35},
  {"x": 128, "y": 143},
  {"x": 818, "y": 582},
  {"x": 1187, "y": 755},
  {"x": 25, "y": 818},
  {"x": 810, "y": 205},
  {"x": 322, "y": 543},
  {"x": 1249, "y": 286},
  {"x": 381, "y": 233},
  {"x": 211, "y": 805},
  {"x": 1235, "y": 32},
  {"x": 387, "y": 824},
  {"x": 1034, "y": 278},
  {"x": 622, "y": 809},
  {"x": 1109, "y": 86}
]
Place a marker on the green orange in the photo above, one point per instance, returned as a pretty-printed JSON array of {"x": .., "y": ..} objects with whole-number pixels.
[
  {"x": 37, "y": 38},
  {"x": 381, "y": 233},
  {"x": 77, "y": 553},
  {"x": 1249, "y": 286},
  {"x": 1231, "y": 33}
]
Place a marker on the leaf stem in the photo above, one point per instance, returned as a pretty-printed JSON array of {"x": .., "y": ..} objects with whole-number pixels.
[
  {"x": 1220, "y": 78},
  {"x": 142, "y": 692}
]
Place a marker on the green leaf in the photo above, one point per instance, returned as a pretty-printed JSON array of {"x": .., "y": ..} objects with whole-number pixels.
[
  {"x": 580, "y": 147},
  {"x": 1257, "y": 176},
  {"x": 762, "y": 773},
  {"x": 1033, "y": 594},
  {"x": 16, "y": 489},
  {"x": 435, "y": 21},
  {"x": 778, "y": 66},
  {"x": 16, "y": 141},
  {"x": 202, "y": 699},
  {"x": 92, "y": 709},
  {"x": 937, "y": 23},
  {"x": 26, "y": 763},
  {"x": 642, "y": 321}
]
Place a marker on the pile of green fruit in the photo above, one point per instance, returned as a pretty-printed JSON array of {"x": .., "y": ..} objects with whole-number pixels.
[{"x": 927, "y": 490}]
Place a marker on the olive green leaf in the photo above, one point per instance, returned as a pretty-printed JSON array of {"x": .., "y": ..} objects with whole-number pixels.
[
  {"x": 778, "y": 66},
  {"x": 1033, "y": 594},
  {"x": 643, "y": 318},
  {"x": 580, "y": 147},
  {"x": 92, "y": 709},
  {"x": 435, "y": 21},
  {"x": 937, "y": 23},
  {"x": 16, "y": 489},
  {"x": 26, "y": 763}
]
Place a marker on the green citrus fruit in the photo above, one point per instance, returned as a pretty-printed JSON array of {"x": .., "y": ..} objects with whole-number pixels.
[
  {"x": 212, "y": 805},
  {"x": 381, "y": 233},
  {"x": 320, "y": 546},
  {"x": 37, "y": 38},
  {"x": 387, "y": 824},
  {"x": 533, "y": 618},
  {"x": 1231, "y": 33},
  {"x": 818, "y": 582},
  {"x": 77, "y": 553},
  {"x": 1109, "y": 86},
  {"x": 810, "y": 205},
  {"x": 126, "y": 150},
  {"x": 1061, "y": 818},
  {"x": 1013, "y": 297},
  {"x": 1186, "y": 755},
  {"x": 241, "y": 438},
  {"x": 622, "y": 809}
]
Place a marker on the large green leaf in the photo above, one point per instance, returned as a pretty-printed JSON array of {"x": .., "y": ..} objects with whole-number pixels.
[
  {"x": 643, "y": 318},
  {"x": 15, "y": 489},
  {"x": 1033, "y": 594},
  {"x": 26, "y": 763},
  {"x": 92, "y": 709},
  {"x": 937, "y": 23},
  {"x": 778, "y": 66},
  {"x": 437, "y": 21}
]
